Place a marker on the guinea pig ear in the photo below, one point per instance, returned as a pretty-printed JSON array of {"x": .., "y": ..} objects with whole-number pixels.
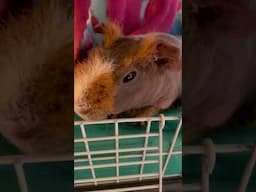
[
  {"x": 111, "y": 32},
  {"x": 83, "y": 54},
  {"x": 167, "y": 54}
]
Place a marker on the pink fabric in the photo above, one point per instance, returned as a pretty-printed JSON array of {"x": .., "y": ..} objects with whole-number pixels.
[
  {"x": 132, "y": 17},
  {"x": 124, "y": 14},
  {"x": 179, "y": 5},
  {"x": 81, "y": 8},
  {"x": 159, "y": 16},
  {"x": 116, "y": 10},
  {"x": 2, "y": 6}
]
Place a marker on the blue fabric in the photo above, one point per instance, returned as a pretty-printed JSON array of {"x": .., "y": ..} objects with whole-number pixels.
[{"x": 177, "y": 26}]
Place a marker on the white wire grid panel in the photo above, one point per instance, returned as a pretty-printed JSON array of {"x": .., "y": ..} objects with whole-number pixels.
[
  {"x": 208, "y": 150},
  {"x": 141, "y": 162}
]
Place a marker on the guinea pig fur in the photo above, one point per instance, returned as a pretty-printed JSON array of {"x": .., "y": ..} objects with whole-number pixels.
[
  {"x": 36, "y": 78},
  {"x": 128, "y": 73}
]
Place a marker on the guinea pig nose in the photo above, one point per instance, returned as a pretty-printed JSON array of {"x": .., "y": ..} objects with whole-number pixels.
[
  {"x": 110, "y": 116},
  {"x": 83, "y": 109}
]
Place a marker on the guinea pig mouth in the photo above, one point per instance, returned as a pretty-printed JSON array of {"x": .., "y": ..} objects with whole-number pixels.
[
  {"x": 110, "y": 116},
  {"x": 82, "y": 110},
  {"x": 163, "y": 103}
]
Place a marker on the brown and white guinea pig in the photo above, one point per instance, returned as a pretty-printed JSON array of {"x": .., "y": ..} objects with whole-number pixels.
[
  {"x": 36, "y": 78},
  {"x": 136, "y": 74},
  {"x": 219, "y": 65}
]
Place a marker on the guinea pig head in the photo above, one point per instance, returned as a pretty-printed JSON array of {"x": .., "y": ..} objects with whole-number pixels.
[
  {"x": 128, "y": 72},
  {"x": 147, "y": 71}
]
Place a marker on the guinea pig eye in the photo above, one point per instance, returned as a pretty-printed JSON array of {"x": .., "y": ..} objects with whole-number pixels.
[{"x": 130, "y": 76}]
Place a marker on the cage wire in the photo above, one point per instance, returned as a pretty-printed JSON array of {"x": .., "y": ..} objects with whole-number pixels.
[
  {"x": 127, "y": 162},
  {"x": 94, "y": 161},
  {"x": 208, "y": 150},
  {"x": 97, "y": 160}
]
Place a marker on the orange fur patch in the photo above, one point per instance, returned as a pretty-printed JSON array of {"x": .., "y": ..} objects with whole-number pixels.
[
  {"x": 94, "y": 85},
  {"x": 111, "y": 32},
  {"x": 101, "y": 94},
  {"x": 147, "y": 47}
]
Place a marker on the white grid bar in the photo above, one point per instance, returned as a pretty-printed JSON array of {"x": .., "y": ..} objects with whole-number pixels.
[
  {"x": 145, "y": 145},
  {"x": 100, "y": 152},
  {"x": 89, "y": 156},
  {"x": 221, "y": 149},
  {"x": 125, "y": 157},
  {"x": 12, "y": 159},
  {"x": 21, "y": 177},
  {"x": 86, "y": 184},
  {"x": 126, "y": 120},
  {"x": 161, "y": 127},
  {"x": 115, "y": 164},
  {"x": 117, "y": 148},
  {"x": 114, "y": 137},
  {"x": 115, "y": 178},
  {"x": 248, "y": 172},
  {"x": 174, "y": 139},
  {"x": 205, "y": 174}
]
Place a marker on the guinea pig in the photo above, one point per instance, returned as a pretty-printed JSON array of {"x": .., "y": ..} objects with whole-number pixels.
[
  {"x": 36, "y": 78},
  {"x": 219, "y": 65},
  {"x": 140, "y": 75}
]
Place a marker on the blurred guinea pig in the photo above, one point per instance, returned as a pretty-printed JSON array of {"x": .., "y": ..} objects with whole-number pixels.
[
  {"x": 219, "y": 65},
  {"x": 36, "y": 78}
]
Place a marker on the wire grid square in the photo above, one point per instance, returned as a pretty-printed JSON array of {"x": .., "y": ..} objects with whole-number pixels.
[{"x": 114, "y": 151}]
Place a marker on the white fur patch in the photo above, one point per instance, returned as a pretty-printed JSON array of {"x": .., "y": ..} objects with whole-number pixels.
[{"x": 96, "y": 68}]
